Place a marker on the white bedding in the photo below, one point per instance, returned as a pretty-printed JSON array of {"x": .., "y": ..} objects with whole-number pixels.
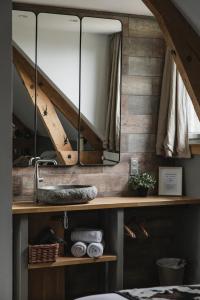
[
  {"x": 103, "y": 297},
  {"x": 191, "y": 292}
]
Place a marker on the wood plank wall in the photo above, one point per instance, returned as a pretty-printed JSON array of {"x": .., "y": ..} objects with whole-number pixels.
[{"x": 143, "y": 55}]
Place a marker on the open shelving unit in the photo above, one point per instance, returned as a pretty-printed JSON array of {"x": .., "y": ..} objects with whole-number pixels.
[
  {"x": 30, "y": 280},
  {"x": 70, "y": 261},
  {"x": 108, "y": 213}
]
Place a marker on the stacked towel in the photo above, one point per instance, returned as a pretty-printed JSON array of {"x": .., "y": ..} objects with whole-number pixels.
[
  {"x": 87, "y": 235},
  {"x": 95, "y": 250},
  {"x": 87, "y": 241},
  {"x": 79, "y": 249}
]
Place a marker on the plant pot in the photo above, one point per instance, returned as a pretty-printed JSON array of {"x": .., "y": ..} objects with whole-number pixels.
[{"x": 142, "y": 192}]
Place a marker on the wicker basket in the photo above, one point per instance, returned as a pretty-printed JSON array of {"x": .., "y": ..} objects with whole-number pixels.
[{"x": 43, "y": 253}]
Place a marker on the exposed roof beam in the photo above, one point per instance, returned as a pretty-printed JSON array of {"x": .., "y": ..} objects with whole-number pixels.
[{"x": 184, "y": 43}]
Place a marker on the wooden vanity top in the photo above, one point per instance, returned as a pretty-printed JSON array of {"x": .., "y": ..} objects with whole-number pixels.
[{"x": 104, "y": 203}]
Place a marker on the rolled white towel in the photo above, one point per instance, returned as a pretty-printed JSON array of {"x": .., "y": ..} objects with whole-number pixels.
[
  {"x": 95, "y": 250},
  {"x": 87, "y": 235},
  {"x": 79, "y": 249}
]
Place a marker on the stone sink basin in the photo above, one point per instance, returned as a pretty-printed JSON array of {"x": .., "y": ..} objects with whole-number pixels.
[{"x": 66, "y": 194}]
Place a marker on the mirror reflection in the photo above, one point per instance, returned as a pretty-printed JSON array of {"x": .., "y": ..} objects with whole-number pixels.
[
  {"x": 23, "y": 41},
  {"x": 53, "y": 119},
  {"x": 58, "y": 52},
  {"x": 100, "y": 91}
]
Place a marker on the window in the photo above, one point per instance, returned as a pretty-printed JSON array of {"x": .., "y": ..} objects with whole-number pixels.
[{"x": 193, "y": 123}]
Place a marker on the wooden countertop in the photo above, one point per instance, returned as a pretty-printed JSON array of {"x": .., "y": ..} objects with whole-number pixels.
[{"x": 104, "y": 203}]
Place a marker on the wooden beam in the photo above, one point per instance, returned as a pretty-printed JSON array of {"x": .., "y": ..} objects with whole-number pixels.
[
  {"x": 72, "y": 115},
  {"x": 184, "y": 43},
  {"x": 61, "y": 102},
  {"x": 86, "y": 157},
  {"x": 48, "y": 114}
]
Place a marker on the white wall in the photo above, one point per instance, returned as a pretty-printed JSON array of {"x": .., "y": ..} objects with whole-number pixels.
[
  {"x": 5, "y": 153},
  {"x": 191, "y": 10},
  {"x": 23, "y": 31},
  {"x": 94, "y": 83},
  {"x": 58, "y": 47},
  {"x": 58, "y": 52}
]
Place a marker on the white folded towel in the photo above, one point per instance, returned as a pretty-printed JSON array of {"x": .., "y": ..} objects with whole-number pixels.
[
  {"x": 95, "y": 250},
  {"x": 87, "y": 235},
  {"x": 79, "y": 249}
]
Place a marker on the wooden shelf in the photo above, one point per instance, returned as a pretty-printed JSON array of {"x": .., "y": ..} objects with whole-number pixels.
[
  {"x": 70, "y": 261},
  {"x": 103, "y": 203}
]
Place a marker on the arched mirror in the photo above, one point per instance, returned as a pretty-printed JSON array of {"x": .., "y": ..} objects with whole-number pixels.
[{"x": 100, "y": 101}]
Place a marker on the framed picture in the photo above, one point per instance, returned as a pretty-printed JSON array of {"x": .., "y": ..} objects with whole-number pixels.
[{"x": 170, "y": 181}]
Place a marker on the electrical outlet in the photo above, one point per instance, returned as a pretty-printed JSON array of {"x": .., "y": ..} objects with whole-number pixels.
[{"x": 133, "y": 167}]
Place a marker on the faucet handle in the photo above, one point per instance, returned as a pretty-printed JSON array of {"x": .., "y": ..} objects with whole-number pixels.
[
  {"x": 47, "y": 161},
  {"x": 33, "y": 160}
]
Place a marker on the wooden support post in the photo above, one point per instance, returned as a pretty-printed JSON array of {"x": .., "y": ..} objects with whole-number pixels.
[
  {"x": 20, "y": 250},
  {"x": 184, "y": 43},
  {"x": 115, "y": 238}
]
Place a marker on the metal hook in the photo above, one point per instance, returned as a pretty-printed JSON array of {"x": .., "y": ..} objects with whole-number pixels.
[
  {"x": 45, "y": 112},
  {"x": 66, "y": 140},
  {"x": 65, "y": 221}
]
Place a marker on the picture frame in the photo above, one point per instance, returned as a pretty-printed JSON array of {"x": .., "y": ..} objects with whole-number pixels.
[{"x": 170, "y": 181}]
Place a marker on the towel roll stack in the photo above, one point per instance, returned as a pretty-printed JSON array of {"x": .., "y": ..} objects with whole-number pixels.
[
  {"x": 87, "y": 241},
  {"x": 95, "y": 250},
  {"x": 79, "y": 249},
  {"x": 87, "y": 235}
]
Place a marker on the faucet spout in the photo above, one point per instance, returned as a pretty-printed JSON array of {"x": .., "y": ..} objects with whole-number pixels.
[{"x": 37, "y": 178}]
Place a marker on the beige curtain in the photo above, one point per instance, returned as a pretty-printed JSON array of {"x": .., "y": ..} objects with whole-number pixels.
[
  {"x": 111, "y": 142},
  {"x": 172, "y": 134}
]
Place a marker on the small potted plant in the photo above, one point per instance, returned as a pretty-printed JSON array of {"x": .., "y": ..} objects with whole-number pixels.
[{"x": 142, "y": 183}]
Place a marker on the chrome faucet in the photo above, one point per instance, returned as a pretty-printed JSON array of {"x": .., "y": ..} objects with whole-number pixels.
[
  {"x": 37, "y": 178},
  {"x": 32, "y": 160}
]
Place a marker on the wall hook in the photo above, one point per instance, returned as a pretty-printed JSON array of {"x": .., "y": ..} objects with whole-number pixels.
[
  {"x": 66, "y": 141},
  {"x": 65, "y": 221},
  {"x": 144, "y": 230},
  {"x": 45, "y": 112},
  {"x": 130, "y": 232}
]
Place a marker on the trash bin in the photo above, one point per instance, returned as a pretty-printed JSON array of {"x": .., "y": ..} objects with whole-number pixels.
[{"x": 171, "y": 271}]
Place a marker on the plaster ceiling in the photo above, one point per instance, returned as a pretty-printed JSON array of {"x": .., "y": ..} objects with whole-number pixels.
[{"x": 122, "y": 6}]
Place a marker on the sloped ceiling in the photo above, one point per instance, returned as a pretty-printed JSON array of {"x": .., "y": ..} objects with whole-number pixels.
[
  {"x": 191, "y": 11},
  {"x": 122, "y": 6}
]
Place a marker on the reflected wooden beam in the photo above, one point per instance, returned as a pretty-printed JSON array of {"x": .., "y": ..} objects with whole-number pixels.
[
  {"x": 184, "y": 43},
  {"x": 70, "y": 113},
  {"x": 48, "y": 114},
  {"x": 60, "y": 101},
  {"x": 86, "y": 157}
]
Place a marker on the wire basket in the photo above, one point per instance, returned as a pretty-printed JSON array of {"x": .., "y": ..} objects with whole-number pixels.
[{"x": 43, "y": 253}]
